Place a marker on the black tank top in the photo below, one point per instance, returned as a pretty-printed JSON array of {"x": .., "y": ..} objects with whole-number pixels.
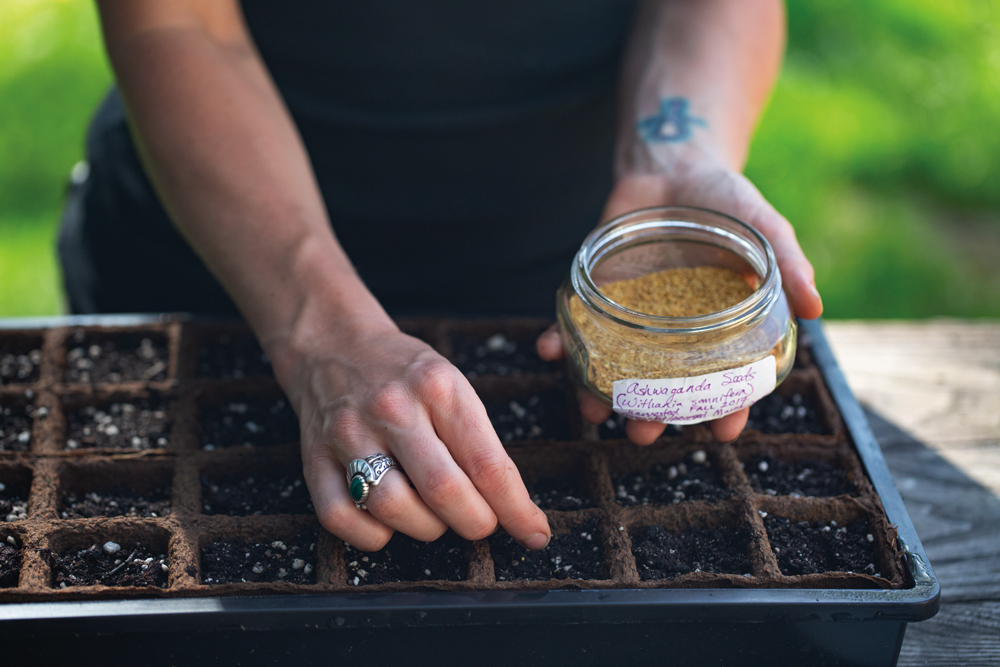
[{"x": 463, "y": 148}]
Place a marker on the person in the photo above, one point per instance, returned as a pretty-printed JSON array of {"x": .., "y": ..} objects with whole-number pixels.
[{"x": 320, "y": 165}]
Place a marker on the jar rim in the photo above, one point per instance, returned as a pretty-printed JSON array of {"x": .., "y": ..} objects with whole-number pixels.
[{"x": 749, "y": 244}]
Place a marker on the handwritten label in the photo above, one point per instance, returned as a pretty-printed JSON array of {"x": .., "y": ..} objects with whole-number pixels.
[{"x": 695, "y": 399}]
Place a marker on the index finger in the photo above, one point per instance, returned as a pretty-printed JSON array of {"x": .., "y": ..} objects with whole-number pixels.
[{"x": 463, "y": 425}]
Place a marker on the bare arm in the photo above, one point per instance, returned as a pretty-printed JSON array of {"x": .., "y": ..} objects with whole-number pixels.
[
  {"x": 231, "y": 169},
  {"x": 696, "y": 77}
]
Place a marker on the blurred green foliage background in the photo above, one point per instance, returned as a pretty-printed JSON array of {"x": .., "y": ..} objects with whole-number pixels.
[{"x": 881, "y": 145}]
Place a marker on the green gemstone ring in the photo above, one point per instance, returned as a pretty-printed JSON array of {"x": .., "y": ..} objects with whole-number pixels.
[{"x": 364, "y": 474}]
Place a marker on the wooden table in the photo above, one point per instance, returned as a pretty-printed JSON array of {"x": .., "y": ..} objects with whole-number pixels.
[{"x": 932, "y": 392}]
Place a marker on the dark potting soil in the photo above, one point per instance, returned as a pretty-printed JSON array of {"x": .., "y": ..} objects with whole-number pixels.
[
  {"x": 562, "y": 494},
  {"x": 138, "y": 424},
  {"x": 660, "y": 554},
  {"x": 259, "y": 494},
  {"x": 806, "y": 477},
  {"x": 792, "y": 414},
  {"x": 694, "y": 478},
  {"x": 813, "y": 548},
  {"x": 233, "y": 358},
  {"x": 293, "y": 561},
  {"x": 254, "y": 424},
  {"x": 541, "y": 416},
  {"x": 10, "y": 562},
  {"x": 96, "y": 358},
  {"x": 614, "y": 429},
  {"x": 13, "y": 503},
  {"x": 573, "y": 555},
  {"x": 109, "y": 564},
  {"x": 120, "y": 501},
  {"x": 18, "y": 365},
  {"x": 15, "y": 426},
  {"x": 407, "y": 559},
  {"x": 496, "y": 355}
]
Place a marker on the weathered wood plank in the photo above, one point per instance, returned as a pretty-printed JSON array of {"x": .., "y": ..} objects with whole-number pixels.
[{"x": 961, "y": 634}]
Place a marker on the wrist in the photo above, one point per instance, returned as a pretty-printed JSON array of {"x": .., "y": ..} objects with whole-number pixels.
[{"x": 326, "y": 308}]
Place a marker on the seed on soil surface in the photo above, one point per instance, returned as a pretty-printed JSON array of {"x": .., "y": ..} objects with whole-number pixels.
[
  {"x": 19, "y": 365},
  {"x": 552, "y": 493},
  {"x": 120, "y": 501},
  {"x": 497, "y": 355},
  {"x": 15, "y": 426},
  {"x": 406, "y": 559},
  {"x": 792, "y": 414},
  {"x": 813, "y": 548},
  {"x": 539, "y": 416},
  {"x": 119, "y": 425},
  {"x": 100, "y": 358},
  {"x": 660, "y": 554},
  {"x": 664, "y": 484},
  {"x": 574, "y": 555},
  {"x": 797, "y": 478},
  {"x": 253, "y": 424},
  {"x": 101, "y": 565},
  {"x": 226, "y": 562}
]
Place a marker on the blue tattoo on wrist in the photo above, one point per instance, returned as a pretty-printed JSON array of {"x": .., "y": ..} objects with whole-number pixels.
[{"x": 671, "y": 124}]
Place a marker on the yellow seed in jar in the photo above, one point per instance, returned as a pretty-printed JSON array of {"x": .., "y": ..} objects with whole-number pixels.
[{"x": 682, "y": 292}]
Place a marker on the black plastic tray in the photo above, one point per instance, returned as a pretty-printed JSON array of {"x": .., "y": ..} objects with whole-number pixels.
[{"x": 559, "y": 627}]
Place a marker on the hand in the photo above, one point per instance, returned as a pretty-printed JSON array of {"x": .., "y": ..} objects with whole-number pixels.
[
  {"x": 384, "y": 391},
  {"x": 709, "y": 185}
]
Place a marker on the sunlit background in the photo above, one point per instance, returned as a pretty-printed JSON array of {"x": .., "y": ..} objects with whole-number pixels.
[{"x": 881, "y": 144}]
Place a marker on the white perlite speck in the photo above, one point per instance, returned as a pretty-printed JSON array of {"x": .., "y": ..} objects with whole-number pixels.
[
  {"x": 112, "y": 547},
  {"x": 699, "y": 456},
  {"x": 762, "y": 466},
  {"x": 298, "y": 564}
]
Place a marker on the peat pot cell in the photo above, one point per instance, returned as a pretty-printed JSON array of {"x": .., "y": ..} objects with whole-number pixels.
[
  {"x": 576, "y": 554},
  {"x": 266, "y": 561},
  {"x": 15, "y": 483},
  {"x": 140, "y": 423},
  {"x": 804, "y": 547},
  {"x": 232, "y": 357},
  {"x": 93, "y": 357},
  {"x": 614, "y": 429},
  {"x": 110, "y": 563},
  {"x": 250, "y": 423},
  {"x": 261, "y": 492},
  {"x": 407, "y": 559},
  {"x": 496, "y": 354},
  {"x": 797, "y": 478},
  {"x": 534, "y": 417},
  {"x": 662, "y": 554},
  {"x": 10, "y": 560},
  {"x": 693, "y": 478},
  {"x": 15, "y": 425},
  {"x": 796, "y": 413},
  {"x": 20, "y": 358}
]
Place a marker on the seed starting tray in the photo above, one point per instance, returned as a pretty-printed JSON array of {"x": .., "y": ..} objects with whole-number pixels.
[{"x": 188, "y": 413}]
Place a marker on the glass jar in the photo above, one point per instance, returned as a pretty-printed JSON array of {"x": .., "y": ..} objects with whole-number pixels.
[{"x": 610, "y": 346}]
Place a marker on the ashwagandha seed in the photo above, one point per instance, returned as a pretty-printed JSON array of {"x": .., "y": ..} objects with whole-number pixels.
[{"x": 680, "y": 292}]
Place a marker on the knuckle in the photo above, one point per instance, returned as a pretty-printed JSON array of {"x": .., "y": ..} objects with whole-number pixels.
[
  {"x": 391, "y": 403},
  {"x": 490, "y": 471},
  {"x": 481, "y": 529},
  {"x": 442, "y": 488},
  {"x": 346, "y": 425},
  {"x": 337, "y": 519},
  {"x": 437, "y": 383}
]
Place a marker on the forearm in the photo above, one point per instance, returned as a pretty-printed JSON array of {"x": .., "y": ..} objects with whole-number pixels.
[
  {"x": 227, "y": 161},
  {"x": 720, "y": 58}
]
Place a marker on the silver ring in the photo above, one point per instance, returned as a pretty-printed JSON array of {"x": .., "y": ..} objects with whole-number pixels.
[{"x": 363, "y": 474}]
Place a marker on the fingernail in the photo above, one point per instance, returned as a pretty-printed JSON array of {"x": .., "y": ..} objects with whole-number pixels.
[{"x": 537, "y": 541}]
